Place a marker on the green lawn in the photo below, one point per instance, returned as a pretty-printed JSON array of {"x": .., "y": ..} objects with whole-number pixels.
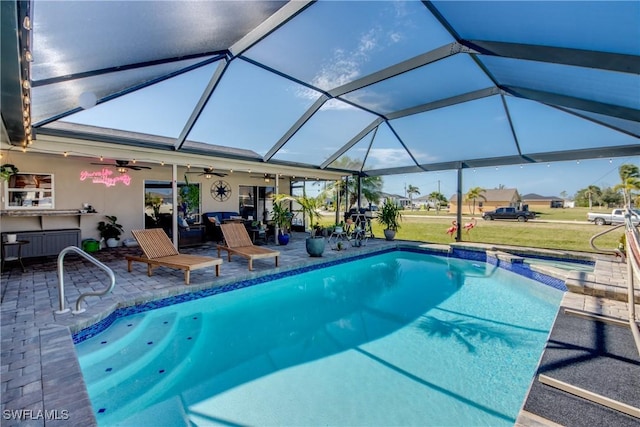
[{"x": 575, "y": 236}]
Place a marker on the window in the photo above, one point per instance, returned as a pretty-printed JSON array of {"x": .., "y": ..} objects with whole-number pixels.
[
  {"x": 255, "y": 203},
  {"x": 29, "y": 191},
  {"x": 158, "y": 201}
]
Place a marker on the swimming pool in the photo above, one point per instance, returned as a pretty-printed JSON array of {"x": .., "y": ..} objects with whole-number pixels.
[{"x": 399, "y": 338}]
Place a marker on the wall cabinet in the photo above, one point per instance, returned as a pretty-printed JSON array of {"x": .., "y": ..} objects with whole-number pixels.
[
  {"x": 29, "y": 191},
  {"x": 46, "y": 242}
]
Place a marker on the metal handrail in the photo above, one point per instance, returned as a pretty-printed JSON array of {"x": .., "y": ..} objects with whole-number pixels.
[
  {"x": 617, "y": 252},
  {"x": 633, "y": 271},
  {"x": 94, "y": 261}
]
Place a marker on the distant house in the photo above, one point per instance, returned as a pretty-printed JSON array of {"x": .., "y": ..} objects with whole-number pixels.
[
  {"x": 492, "y": 199},
  {"x": 424, "y": 202},
  {"x": 538, "y": 201},
  {"x": 401, "y": 201}
]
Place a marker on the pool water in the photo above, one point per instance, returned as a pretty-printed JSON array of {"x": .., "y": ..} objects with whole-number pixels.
[
  {"x": 394, "y": 339},
  {"x": 586, "y": 267}
]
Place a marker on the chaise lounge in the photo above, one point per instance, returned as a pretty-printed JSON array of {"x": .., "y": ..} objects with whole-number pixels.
[
  {"x": 237, "y": 241},
  {"x": 160, "y": 252}
]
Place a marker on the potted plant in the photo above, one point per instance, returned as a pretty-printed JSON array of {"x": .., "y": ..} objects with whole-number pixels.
[
  {"x": 310, "y": 207},
  {"x": 282, "y": 217},
  {"x": 390, "y": 217},
  {"x": 110, "y": 231},
  {"x": 315, "y": 243},
  {"x": 189, "y": 198},
  {"x": 6, "y": 171}
]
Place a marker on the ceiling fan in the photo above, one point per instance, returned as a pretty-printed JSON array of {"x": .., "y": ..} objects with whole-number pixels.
[
  {"x": 266, "y": 176},
  {"x": 207, "y": 172},
  {"x": 123, "y": 164}
]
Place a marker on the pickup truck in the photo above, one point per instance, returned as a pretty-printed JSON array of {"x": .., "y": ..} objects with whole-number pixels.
[
  {"x": 615, "y": 217},
  {"x": 508, "y": 213}
]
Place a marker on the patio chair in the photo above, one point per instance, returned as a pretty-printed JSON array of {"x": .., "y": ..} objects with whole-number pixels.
[
  {"x": 160, "y": 252},
  {"x": 237, "y": 241}
]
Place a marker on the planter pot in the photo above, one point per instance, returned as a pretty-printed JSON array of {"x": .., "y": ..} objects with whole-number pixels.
[
  {"x": 283, "y": 239},
  {"x": 389, "y": 234},
  {"x": 112, "y": 242},
  {"x": 315, "y": 246},
  {"x": 12, "y": 238}
]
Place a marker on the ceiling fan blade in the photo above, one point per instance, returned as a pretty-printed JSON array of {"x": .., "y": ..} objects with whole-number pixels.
[{"x": 137, "y": 168}]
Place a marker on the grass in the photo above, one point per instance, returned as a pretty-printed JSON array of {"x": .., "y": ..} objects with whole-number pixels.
[{"x": 573, "y": 234}]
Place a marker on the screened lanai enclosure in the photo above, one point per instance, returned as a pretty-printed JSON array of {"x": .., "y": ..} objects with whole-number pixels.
[{"x": 364, "y": 87}]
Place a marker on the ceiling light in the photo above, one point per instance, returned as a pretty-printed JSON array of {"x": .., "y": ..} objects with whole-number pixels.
[
  {"x": 65, "y": 154},
  {"x": 101, "y": 158},
  {"x": 26, "y": 85},
  {"x": 26, "y": 23},
  {"x": 122, "y": 170},
  {"x": 28, "y": 56},
  {"x": 207, "y": 175},
  {"x": 27, "y": 101},
  {"x": 25, "y": 113}
]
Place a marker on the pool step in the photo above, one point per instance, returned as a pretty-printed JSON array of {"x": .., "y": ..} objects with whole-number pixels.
[
  {"x": 119, "y": 335},
  {"x": 153, "y": 355},
  {"x": 126, "y": 353}
]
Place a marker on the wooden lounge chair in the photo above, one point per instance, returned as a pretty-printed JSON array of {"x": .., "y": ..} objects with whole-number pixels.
[
  {"x": 160, "y": 252},
  {"x": 237, "y": 241}
]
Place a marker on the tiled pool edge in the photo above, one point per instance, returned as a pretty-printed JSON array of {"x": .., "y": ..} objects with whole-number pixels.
[{"x": 481, "y": 255}]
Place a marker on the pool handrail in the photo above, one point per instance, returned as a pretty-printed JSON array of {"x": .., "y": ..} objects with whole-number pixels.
[
  {"x": 94, "y": 261},
  {"x": 632, "y": 247},
  {"x": 616, "y": 251}
]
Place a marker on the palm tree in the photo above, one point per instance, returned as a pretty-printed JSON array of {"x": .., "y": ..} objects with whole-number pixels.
[
  {"x": 371, "y": 188},
  {"x": 472, "y": 195},
  {"x": 590, "y": 191},
  {"x": 411, "y": 191},
  {"x": 630, "y": 177},
  {"x": 437, "y": 198}
]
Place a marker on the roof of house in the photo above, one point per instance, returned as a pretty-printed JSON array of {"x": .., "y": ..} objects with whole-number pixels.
[
  {"x": 534, "y": 196},
  {"x": 494, "y": 195}
]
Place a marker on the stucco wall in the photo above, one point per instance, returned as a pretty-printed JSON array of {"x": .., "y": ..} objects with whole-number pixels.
[{"x": 124, "y": 201}]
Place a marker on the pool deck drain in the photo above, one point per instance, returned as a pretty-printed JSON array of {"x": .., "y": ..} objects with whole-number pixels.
[{"x": 41, "y": 379}]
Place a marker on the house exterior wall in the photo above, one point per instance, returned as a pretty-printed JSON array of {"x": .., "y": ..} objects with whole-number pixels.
[
  {"x": 481, "y": 206},
  {"x": 124, "y": 201},
  {"x": 533, "y": 204}
]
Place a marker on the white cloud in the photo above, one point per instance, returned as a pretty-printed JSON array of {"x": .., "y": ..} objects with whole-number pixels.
[{"x": 388, "y": 158}]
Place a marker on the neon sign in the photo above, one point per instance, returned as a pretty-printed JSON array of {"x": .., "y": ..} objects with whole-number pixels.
[{"x": 105, "y": 177}]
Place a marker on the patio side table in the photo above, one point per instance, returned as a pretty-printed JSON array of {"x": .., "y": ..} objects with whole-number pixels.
[{"x": 19, "y": 244}]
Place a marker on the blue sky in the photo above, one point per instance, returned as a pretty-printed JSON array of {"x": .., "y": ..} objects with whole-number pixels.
[{"x": 544, "y": 179}]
